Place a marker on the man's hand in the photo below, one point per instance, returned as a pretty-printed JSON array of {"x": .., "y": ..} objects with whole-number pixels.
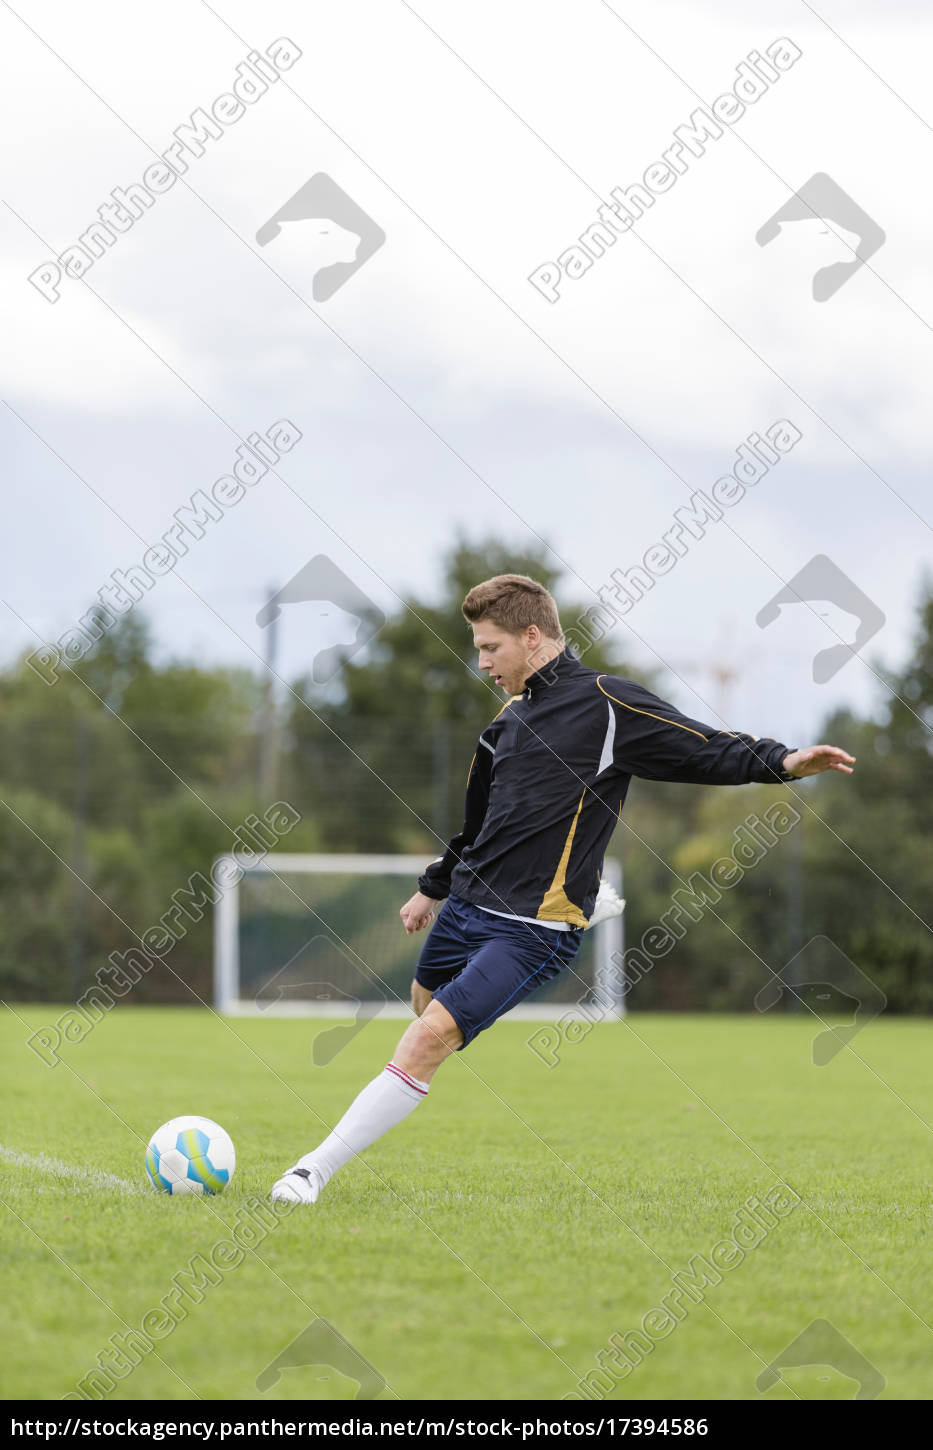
[
  {"x": 817, "y": 758},
  {"x": 417, "y": 912}
]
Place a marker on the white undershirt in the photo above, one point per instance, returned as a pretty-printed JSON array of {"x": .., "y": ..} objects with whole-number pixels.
[{"x": 535, "y": 921}]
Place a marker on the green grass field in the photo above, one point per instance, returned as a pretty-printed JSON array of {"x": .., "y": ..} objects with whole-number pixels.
[{"x": 491, "y": 1246}]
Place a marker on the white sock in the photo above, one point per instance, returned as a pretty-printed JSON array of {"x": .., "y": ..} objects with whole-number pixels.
[{"x": 383, "y": 1103}]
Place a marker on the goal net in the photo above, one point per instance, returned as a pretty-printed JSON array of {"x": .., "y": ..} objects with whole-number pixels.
[{"x": 320, "y": 935}]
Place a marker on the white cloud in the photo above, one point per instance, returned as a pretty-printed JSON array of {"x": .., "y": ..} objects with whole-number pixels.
[{"x": 424, "y": 326}]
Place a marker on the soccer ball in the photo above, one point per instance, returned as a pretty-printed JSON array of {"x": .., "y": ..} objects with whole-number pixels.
[{"x": 190, "y": 1155}]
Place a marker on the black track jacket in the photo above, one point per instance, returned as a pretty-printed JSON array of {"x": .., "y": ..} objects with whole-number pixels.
[{"x": 549, "y": 778}]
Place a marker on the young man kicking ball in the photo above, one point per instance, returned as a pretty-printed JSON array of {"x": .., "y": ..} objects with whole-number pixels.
[{"x": 545, "y": 790}]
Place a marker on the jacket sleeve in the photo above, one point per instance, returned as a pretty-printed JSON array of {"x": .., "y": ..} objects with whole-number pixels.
[
  {"x": 655, "y": 741},
  {"x": 435, "y": 881}
]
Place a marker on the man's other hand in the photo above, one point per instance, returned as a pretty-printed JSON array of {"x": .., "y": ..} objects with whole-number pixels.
[{"x": 417, "y": 912}]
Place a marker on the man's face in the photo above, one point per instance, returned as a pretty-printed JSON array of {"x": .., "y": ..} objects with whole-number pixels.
[{"x": 505, "y": 657}]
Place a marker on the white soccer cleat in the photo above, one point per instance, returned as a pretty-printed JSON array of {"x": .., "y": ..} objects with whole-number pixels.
[{"x": 298, "y": 1185}]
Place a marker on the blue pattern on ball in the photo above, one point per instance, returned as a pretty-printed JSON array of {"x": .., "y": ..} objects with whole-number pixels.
[{"x": 152, "y": 1168}]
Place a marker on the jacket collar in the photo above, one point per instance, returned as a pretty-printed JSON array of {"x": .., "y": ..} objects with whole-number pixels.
[{"x": 564, "y": 664}]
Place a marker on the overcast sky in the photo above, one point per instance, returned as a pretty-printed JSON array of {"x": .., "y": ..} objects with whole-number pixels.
[{"x": 438, "y": 388}]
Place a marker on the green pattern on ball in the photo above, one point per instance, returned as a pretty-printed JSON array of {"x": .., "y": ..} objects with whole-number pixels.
[{"x": 194, "y": 1144}]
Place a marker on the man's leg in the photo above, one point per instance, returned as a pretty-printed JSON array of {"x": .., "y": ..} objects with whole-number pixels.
[
  {"x": 427, "y": 1043},
  {"x": 381, "y": 1106},
  {"x": 400, "y": 1087},
  {"x": 420, "y": 997},
  {"x": 478, "y": 966}
]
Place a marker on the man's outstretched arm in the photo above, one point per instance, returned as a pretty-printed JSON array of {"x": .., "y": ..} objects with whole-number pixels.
[{"x": 655, "y": 741}]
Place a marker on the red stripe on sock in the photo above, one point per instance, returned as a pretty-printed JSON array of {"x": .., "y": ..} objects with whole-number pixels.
[{"x": 399, "y": 1073}]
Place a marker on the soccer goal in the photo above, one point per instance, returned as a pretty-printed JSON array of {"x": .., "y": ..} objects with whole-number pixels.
[{"x": 320, "y": 935}]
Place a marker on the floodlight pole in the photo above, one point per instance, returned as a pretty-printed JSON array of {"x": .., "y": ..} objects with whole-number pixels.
[{"x": 268, "y": 734}]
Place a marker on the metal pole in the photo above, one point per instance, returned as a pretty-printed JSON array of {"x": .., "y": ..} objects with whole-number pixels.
[
  {"x": 794, "y": 909},
  {"x": 79, "y": 858},
  {"x": 441, "y": 764},
  {"x": 609, "y": 970},
  {"x": 268, "y": 738}
]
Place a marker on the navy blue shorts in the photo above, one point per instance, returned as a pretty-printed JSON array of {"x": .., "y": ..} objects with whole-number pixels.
[{"x": 479, "y": 965}]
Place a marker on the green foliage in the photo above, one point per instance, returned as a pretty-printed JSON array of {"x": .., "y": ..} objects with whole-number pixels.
[
  {"x": 128, "y": 775},
  {"x": 384, "y": 764},
  {"x": 131, "y": 773},
  {"x": 36, "y": 835},
  {"x": 856, "y": 869}
]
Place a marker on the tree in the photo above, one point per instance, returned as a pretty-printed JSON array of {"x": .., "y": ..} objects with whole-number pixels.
[
  {"x": 127, "y": 776},
  {"x": 382, "y": 767},
  {"x": 113, "y": 803},
  {"x": 869, "y": 860}
]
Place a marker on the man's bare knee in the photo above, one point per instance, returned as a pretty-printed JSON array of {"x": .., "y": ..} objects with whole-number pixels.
[
  {"x": 420, "y": 997},
  {"x": 426, "y": 1043}
]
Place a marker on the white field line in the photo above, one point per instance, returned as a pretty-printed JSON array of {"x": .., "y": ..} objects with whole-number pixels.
[
  {"x": 79, "y": 1177},
  {"x": 532, "y": 1012}
]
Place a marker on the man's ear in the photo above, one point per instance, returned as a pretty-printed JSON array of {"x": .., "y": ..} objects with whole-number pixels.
[{"x": 538, "y": 657}]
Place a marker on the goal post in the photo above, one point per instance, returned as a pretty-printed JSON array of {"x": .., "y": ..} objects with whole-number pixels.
[{"x": 299, "y": 934}]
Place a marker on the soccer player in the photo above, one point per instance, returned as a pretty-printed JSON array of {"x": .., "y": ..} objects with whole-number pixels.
[{"x": 518, "y": 882}]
